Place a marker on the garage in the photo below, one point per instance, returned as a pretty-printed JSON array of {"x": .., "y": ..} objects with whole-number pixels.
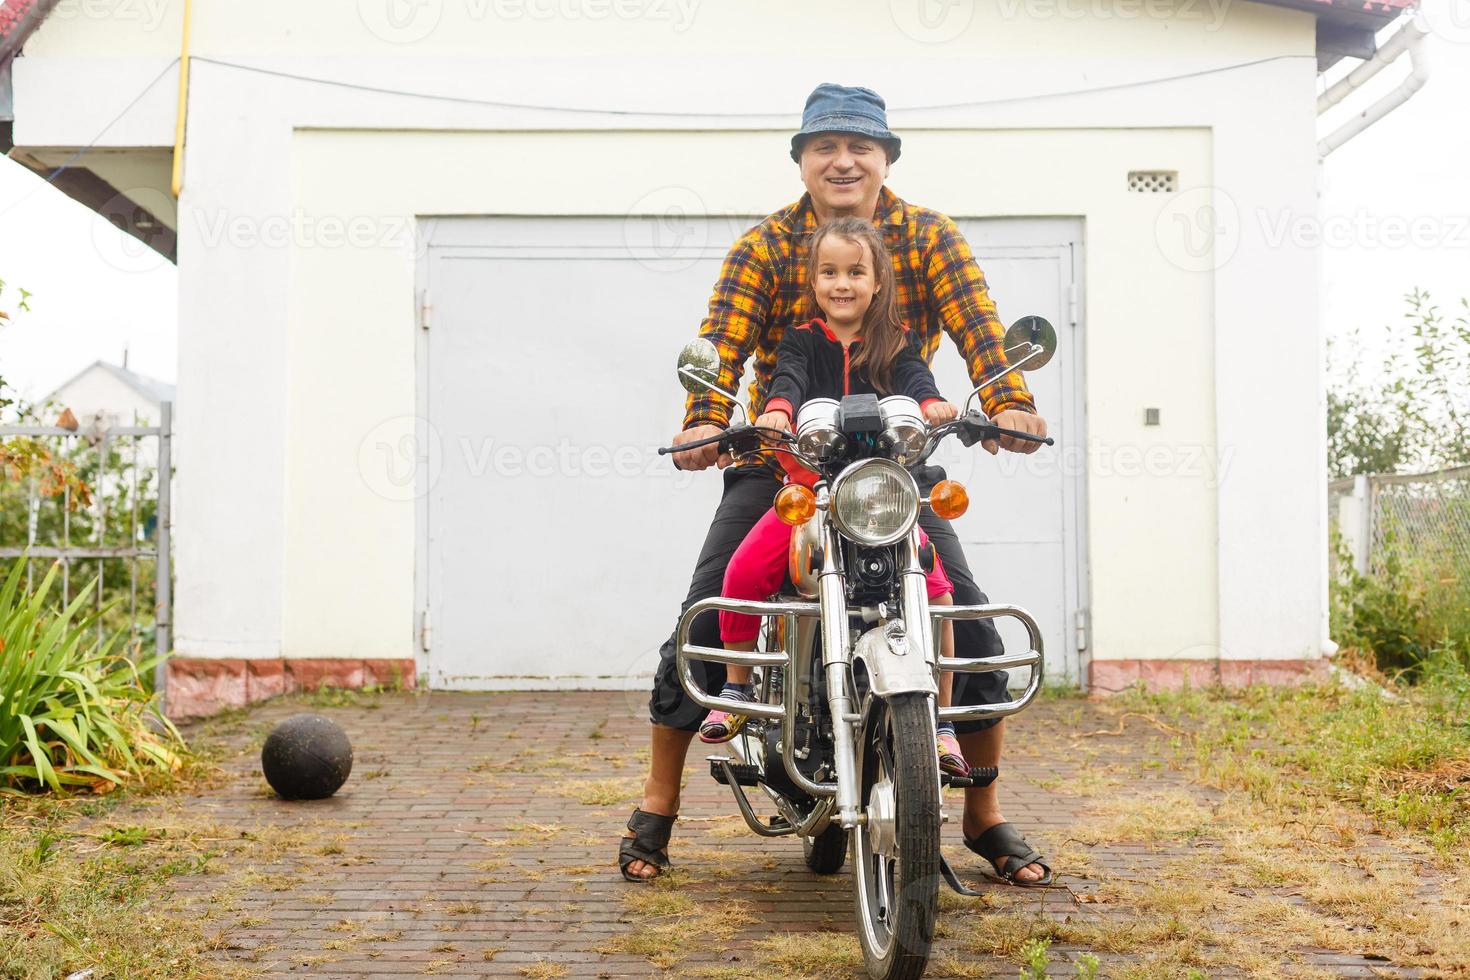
[{"x": 553, "y": 543}]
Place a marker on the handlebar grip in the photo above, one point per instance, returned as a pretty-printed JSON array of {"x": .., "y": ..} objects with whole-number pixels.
[{"x": 973, "y": 431}]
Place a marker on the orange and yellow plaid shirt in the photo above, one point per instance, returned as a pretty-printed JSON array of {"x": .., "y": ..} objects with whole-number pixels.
[{"x": 762, "y": 291}]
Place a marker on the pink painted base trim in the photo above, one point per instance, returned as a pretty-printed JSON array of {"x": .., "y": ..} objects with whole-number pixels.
[
  {"x": 1111, "y": 676},
  {"x": 199, "y": 686}
]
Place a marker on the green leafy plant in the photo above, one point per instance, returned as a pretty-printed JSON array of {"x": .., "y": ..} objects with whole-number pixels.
[
  {"x": 1411, "y": 411},
  {"x": 1035, "y": 959},
  {"x": 73, "y": 711}
]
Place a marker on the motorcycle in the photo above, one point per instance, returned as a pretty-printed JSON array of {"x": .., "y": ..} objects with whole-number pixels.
[{"x": 841, "y": 737}]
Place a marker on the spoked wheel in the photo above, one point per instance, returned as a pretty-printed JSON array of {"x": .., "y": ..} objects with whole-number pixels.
[
  {"x": 826, "y": 852},
  {"x": 895, "y": 851}
]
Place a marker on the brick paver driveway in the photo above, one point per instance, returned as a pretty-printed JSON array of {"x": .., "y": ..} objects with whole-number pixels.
[{"x": 476, "y": 836}]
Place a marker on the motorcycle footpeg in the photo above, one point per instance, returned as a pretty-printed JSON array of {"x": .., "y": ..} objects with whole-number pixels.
[
  {"x": 980, "y": 776},
  {"x": 745, "y": 773}
]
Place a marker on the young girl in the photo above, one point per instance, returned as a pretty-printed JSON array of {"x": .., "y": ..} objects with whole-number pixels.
[{"x": 860, "y": 348}]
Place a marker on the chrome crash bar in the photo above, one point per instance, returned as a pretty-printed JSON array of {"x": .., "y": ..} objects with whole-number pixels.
[{"x": 1032, "y": 658}]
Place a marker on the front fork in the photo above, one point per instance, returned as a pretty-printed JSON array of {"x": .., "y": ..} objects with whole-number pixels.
[
  {"x": 911, "y": 675},
  {"x": 837, "y": 665}
]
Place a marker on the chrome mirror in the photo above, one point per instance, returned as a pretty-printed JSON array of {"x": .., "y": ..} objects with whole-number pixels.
[
  {"x": 699, "y": 367},
  {"x": 699, "y": 370},
  {"x": 1030, "y": 343}
]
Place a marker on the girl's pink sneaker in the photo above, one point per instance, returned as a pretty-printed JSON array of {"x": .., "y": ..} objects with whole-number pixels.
[
  {"x": 951, "y": 759},
  {"x": 720, "y": 726}
]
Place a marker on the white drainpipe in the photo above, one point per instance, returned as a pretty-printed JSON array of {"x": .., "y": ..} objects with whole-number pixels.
[{"x": 1409, "y": 38}]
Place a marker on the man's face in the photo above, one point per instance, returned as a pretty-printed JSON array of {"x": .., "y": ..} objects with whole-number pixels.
[{"x": 843, "y": 173}]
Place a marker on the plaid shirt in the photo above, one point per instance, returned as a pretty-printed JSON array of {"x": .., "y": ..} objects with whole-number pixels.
[{"x": 762, "y": 291}]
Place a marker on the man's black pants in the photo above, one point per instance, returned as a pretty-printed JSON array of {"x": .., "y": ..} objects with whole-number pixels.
[{"x": 748, "y": 494}]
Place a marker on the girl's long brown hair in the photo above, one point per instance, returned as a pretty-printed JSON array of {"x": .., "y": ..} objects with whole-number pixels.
[{"x": 883, "y": 330}]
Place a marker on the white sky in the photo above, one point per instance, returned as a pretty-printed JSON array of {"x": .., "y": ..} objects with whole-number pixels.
[{"x": 98, "y": 292}]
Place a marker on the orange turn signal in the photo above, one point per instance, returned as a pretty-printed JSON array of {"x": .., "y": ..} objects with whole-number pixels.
[
  {"x": 949, "y": 499},
  {"x": 795, "y": 504}
]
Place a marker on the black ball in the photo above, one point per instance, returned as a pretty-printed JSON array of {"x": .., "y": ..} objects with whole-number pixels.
[{"x": 306, "y": 757}]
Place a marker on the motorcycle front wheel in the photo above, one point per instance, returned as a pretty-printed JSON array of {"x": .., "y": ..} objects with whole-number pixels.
[{"x": 895, "y": 850}]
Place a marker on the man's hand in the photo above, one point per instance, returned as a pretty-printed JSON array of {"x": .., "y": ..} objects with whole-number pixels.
[
  {"x": 701, "y": 457},
  {"x": 937, "y": 413},
  {"x": 1022, "y": 422}
]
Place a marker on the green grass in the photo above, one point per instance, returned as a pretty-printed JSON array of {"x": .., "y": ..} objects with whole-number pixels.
[
  {"x": 1402, "y": 754},
  {"x": 79, "y": 891}
]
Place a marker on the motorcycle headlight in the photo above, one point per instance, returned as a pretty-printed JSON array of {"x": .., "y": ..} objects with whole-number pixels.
[
  {"x": 817, "y": 434},
  {"x": 904, "y": 431},
  {"x": 874, "y": 502}
]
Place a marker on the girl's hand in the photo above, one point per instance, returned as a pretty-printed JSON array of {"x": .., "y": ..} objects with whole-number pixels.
[
  {"x": 775, "y": 420},
  {"x": 938, "y": 412}
]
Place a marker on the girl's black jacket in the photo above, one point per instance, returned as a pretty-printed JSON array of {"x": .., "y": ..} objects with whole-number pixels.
[{"x": 812, "y": 363}]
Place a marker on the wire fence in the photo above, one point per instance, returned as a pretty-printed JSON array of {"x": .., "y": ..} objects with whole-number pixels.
[
  {"x": 120, "y": 541},
  {"x": 1423, "y": 516}
]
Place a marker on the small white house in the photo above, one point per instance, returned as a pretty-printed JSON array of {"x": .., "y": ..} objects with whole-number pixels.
[
  {"x": 110, "y": 395},
  {"x": 436, "y": 260}
]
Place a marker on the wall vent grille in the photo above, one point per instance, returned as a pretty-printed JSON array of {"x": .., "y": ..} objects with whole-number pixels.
[{"x": 1152, "y": 181}]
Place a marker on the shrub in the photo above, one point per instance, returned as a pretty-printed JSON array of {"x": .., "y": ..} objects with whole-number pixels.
[{"x": 74, "y": 712}]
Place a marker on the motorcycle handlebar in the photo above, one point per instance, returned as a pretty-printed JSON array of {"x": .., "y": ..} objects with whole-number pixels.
[{"x": 971, "y": 429}]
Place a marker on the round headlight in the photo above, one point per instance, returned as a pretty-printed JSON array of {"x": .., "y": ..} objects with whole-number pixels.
[
  {"x": 817, "y": 434},
  {"x": 874, "y": 502},
  {"x": 904, "y": 431}
]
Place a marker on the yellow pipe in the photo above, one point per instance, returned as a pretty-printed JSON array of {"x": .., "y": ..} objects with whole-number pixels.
[{"x": 178, "y": 175}]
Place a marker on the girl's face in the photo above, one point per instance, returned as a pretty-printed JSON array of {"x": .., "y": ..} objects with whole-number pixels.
[{"x": 845, "y": 281}]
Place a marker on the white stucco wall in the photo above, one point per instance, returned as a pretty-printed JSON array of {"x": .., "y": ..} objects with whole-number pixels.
[{"x": 290, "y": 348}]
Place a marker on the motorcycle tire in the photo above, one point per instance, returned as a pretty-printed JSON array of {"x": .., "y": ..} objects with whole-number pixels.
[
  {"x": 897, "y": 895},
  {"x": 827, "y": 852}
]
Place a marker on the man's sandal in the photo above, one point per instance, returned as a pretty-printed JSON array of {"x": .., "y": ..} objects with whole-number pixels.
[
  {"x": 1007, "y": 851},
  {"x": 649, "y": 844}
]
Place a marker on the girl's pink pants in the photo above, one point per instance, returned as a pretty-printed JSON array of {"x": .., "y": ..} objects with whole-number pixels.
[{"x": 759, "y": 567}]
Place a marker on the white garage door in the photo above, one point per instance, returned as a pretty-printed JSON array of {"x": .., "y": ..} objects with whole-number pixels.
[{"x": 554, "y": 544}]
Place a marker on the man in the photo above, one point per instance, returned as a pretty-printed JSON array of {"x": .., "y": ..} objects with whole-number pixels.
[{"x": 844, "y": 149}]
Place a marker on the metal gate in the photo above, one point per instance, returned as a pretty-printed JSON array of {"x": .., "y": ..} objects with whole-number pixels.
[{"x": 123, "y": 532}]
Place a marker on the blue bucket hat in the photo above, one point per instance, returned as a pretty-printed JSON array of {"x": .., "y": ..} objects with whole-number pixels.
[{"x": 845, "y": 109}]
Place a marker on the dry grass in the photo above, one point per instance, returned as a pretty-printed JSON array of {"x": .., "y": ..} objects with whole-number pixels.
[
  {"x": 599, "y": 792},
  {"x": 86, "y": 882},
  {"x": 668, "y": 920}
]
